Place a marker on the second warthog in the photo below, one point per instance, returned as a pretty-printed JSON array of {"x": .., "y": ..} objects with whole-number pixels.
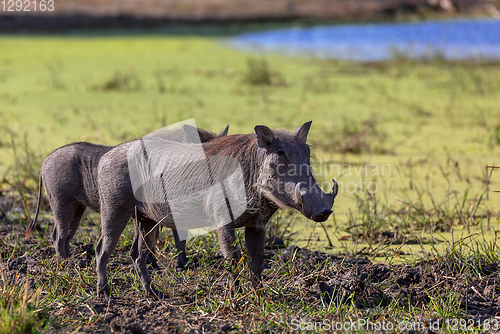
[{"x": 275, "y": 172}]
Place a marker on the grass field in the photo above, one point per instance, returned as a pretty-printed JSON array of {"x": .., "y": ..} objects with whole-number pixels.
[{"x": 408, "y": 142}]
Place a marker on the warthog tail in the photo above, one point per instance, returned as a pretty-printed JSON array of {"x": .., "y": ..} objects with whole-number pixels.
[{"x": 31, "y": 228}]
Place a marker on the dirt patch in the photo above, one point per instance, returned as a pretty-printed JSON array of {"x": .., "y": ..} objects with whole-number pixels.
[
  {"x": 303, "y": 277},
  {"x": 366, "y": 285}
]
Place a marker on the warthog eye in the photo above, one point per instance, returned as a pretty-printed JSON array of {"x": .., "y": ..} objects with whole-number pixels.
[{"x": 282, "y": 155}]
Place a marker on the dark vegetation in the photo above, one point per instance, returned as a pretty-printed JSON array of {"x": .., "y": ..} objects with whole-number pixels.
[
  {"x": 258, "y": 73},
  {"x": 41, "y": 292}
]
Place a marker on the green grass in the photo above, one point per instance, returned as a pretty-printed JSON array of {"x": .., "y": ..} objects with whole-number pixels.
[
  {"x": 69, "y": 288},
  {"x": 19, "y": 306},
  {"x": 408, "y": 143},
  {"x": 434, "y": 123},
  {"x": 113, "y": 88}
]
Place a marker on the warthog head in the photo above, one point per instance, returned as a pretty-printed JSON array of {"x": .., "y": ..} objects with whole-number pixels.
[{"x": 286, "y": 178}]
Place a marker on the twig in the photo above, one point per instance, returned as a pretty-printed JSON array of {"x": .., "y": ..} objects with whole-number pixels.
[
  {"x": 330, "y": 244},
  {"x": 478, "y": 293}
]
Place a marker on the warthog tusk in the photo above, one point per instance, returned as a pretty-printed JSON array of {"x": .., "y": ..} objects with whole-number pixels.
[
  {"x": 298, "y": 198},
  {"x": 335, "y": 188}
]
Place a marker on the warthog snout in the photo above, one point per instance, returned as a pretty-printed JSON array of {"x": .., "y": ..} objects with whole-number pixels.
[
  {"x": 322, "y": 216},
  {"x": 316, "y": 204}
]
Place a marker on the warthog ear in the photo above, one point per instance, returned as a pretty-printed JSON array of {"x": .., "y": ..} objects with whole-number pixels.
[
  {"x": 223, "y": 133},
  {"x": 193, "y": 133},
  {"x": 301, "y": 133},
  {"x": 265, "y": 136}
]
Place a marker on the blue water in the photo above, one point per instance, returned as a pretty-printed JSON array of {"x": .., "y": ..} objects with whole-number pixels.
[{"x": 458, "y": 39}]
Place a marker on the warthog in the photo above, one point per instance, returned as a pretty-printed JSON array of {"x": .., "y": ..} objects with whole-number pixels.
[
  {"x": 275, "y": 167},
  {"x": 69, "y": 175}
]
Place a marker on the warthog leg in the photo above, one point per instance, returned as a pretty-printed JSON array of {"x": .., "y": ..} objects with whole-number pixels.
[
  {"x": 113, "y": 222},
  {"x": 227, "y": 240},
  {"x": 67, "y": 217},
  {"x": 181, "y": 247},
  {"x": 147, "y": 231},
  {"x": 75, "y": 222},
  {"x": 179, "y": 244},
  {"x": 255, "y": 239},
  {"x": 134, "y": 250}
]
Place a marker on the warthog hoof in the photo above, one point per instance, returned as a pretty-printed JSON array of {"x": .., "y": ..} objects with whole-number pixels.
[
  {"x": 156, "y": 294},
  {"x": 103, "y": 291},
  {"x": 182, "y": 261}
]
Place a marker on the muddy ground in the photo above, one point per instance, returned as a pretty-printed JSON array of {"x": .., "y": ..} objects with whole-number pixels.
[{"x": 311, "y": 278}]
